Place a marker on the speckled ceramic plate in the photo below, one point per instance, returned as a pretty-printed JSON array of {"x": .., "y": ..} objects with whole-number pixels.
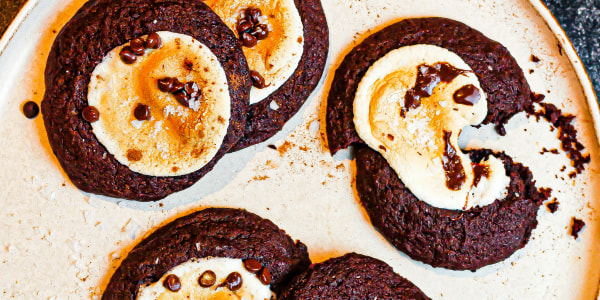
[{"x": 58, "y": 243}]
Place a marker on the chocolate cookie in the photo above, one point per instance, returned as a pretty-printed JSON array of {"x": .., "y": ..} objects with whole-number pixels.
[
  {"x": 460, "y": 240},
  {"x": 445, "y": 238},
  {"x": 213, "y": 232},
  {"x": 97, "y": 28},
  {"x": 264, "y": 122},
  {"x": 498, "y": 73},
  {"x": 352, "y": 276}
]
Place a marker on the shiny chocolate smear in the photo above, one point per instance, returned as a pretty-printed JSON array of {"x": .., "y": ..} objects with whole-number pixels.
[
  {"x": 479, "y": 171},
  {"x": 467, "y": 95},
  {"x": 455, "y": 173},
  {"x": 428, "y": 78}
]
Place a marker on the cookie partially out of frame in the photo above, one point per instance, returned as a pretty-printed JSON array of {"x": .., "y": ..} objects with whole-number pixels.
[
  {"x": 453, "y": 239},
  {"x": 263, "y": 121},
  {"x": 499, "y": 74},
  {"x": 351, "y": 277},
  {"x": 97, "y": 28},
  {"x": 213, "y": 232}
]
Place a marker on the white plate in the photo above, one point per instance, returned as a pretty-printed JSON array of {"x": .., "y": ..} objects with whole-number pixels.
[{"x": 59, "y": 242}]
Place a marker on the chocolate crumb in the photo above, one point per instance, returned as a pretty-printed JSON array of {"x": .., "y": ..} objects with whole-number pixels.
[
  {"x": 560, "y": 49},
  {"x": 272, "y": 146},
  {"x": 390, "y": 137},
  {"x": 576, "y": 226},
  {"x": 567, "y": 134},
  {"x": 553, "y": 205},
  {"x": 500, "y": 129},
  {"x": 535, "y": 59},
  {"x": 535, "y": 97}
]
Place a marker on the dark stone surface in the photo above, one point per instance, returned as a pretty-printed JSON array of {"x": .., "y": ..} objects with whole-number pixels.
[{"x": 581, "y": 21}]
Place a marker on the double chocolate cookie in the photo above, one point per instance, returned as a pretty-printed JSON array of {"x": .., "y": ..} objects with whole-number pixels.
[
  {"x": 455, "y": 239},
  {"x": 264, "y": 121},
  {"x": 97, "y": 28},
  {"x": 352, "y": 276},
  {"x": 210, "y": 233}
]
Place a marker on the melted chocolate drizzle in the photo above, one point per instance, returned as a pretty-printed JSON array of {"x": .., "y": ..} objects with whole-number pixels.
[
  {"x": 467, "y": 95},
  {"x": 428, "y": 78},
  {"x": 455, "y": 173},
  {"x": 479, "y": 171}
]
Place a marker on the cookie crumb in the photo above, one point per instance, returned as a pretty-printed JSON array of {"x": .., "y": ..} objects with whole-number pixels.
[
  {"x": 576, "y": 227},
  {"x": 553, "y": 205}
]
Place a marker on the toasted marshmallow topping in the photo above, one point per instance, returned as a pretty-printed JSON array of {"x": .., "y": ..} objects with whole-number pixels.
[
  {"x": 276, "y": 57},
  {"x": 420, "y": 142},
  {"x": 189, "y": 288},
  {"x": 177, "y": 140}
]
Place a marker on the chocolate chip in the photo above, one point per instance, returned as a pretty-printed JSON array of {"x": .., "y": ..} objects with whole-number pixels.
[
  {"x": 234, "y": 281},
  {"x": 31, "y": 109},
  {"x": 172, "y": 283},
  {"x": 252, "y": 265},
  {"x": 153, "y": 41},
  {"x": 248, "y": 40},
  {"x": 243, "y": 26},
  {"x": 177, "y": 86},
  {"x": 137, "y": 46},
  {"x": 257, "y": 80},
  {"x": 165, "y": 84},
  {"x": 207, "y": 279},
  {"x": 90, "y": 114},
  {"x": 183, "y": 98},
  {"x": 127, "y": 55},
  {"x": 142, "y": 112},
  {"x": 260, "y": 31},
  {"x": 253, "y": 14},
  {"x": 192, "y": 89},
  {"x": 264, "y": 275}
]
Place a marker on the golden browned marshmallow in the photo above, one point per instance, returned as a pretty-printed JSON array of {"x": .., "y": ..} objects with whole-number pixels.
[
  {"x": 276, "y": 57},
  {"x": 177, "y": 139},
  {"x": 188, "y": 274},
  {"x": 412, "y": 138}
]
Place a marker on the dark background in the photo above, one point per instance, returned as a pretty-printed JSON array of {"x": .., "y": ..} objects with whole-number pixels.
[{"x": 579, "y": 18}]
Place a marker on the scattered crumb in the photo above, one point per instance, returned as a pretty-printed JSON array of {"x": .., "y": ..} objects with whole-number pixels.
[
  {"x": 535, "y": 59},
  {"x": 576, "y": 227},
  {"x": 552, "y": 205},
  {"x": 284, "y": 147},
  {"x": 272, "y": 146},
  {"x": 260, "y": 178}
]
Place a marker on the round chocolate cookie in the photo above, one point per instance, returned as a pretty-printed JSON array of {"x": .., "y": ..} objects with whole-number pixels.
[
  {"x": 352, "y": 276},
  {"x": 213, "y": 232},
  {"x": 263, "y": 121},
  {"x": 97, "y": 28},
  {"x": 499, "y": 74},
  {"x": 459, "y": 240}
]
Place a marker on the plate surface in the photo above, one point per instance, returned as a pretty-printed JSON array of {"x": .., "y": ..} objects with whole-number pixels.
[{"x": 59, "y": 242}]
